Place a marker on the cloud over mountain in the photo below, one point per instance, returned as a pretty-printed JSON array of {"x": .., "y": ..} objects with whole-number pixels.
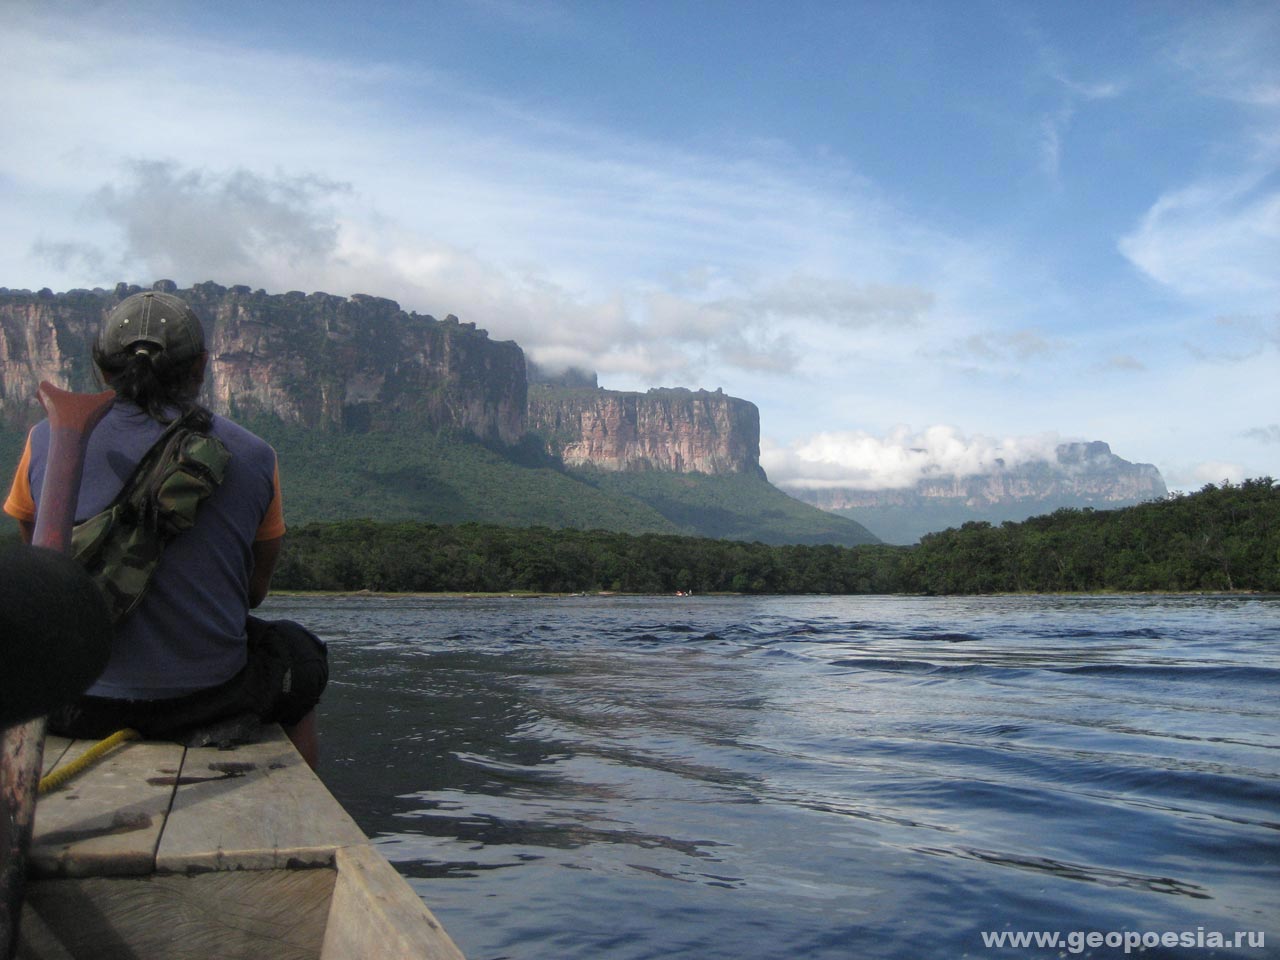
[
  {"x": 898, "y": 460},
  {"x": 1062, "y": 217}
]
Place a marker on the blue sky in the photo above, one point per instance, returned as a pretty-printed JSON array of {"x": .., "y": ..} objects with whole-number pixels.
[{"x": 916, "y": 235}]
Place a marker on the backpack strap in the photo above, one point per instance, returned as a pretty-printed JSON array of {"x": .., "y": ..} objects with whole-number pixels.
[{"x": 121, "y": 546}]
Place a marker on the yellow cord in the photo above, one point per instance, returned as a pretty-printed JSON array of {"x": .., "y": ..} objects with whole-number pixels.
[{"x": 60, "y": 776}]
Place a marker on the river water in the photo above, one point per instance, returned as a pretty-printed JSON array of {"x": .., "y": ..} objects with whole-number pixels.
[{"x": 814, "y": 777}]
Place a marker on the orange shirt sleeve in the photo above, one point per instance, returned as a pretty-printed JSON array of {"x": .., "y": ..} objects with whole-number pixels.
[
  {"x": 20, "y": 504},
  {"x": 272, "y": 525}
]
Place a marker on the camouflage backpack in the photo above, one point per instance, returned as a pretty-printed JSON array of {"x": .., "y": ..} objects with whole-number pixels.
[{"x": 121, "y": 546}]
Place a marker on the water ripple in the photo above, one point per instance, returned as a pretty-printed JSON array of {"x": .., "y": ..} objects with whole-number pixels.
[{"x": 822, "y": 777}]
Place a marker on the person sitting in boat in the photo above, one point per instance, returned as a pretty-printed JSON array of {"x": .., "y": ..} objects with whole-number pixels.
[{"x": 187, "y": 656}]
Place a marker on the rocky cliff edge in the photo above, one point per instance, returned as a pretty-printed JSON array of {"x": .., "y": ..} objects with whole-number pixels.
[
  {"x": 360, "y": 363},
  {"x": 315, "y": 360}
]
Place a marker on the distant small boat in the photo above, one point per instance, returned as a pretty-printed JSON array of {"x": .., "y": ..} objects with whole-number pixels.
[{"x": 177, "y": 853}]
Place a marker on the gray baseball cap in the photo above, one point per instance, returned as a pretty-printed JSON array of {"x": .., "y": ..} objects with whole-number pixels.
[{"x": 153, "y": 320}]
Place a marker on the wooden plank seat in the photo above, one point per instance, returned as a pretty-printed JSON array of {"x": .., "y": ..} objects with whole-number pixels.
[{"x": 159, "y": 850}]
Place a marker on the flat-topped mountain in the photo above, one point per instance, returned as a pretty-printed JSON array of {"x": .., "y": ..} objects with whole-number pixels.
[
  {"x": 361, "y": 364},
  {"x": 317, "y": 361},
  {"x": 384, "y": 413},
  {"x": 1082, "y": 475},
  {"x": 390, "y": 414},
  {"x": 683, "y": 431}
]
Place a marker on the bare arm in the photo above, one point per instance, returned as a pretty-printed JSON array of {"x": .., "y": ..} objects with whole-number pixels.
[
  {"x": 265, "y": 554},
  {"x": 27, "y": 530}
]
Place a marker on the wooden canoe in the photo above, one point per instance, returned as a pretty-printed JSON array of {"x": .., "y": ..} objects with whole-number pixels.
[{"x": 165, "y": 851}]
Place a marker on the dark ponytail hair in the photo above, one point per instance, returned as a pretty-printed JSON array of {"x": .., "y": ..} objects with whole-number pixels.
[{"x": 144, "y": 375}]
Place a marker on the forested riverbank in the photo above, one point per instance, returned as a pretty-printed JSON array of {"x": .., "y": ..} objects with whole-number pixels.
[{"x": 1223, "y": 537}]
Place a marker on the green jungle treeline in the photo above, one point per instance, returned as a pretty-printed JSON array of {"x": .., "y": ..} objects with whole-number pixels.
[{"x": 1221, "y": 538}]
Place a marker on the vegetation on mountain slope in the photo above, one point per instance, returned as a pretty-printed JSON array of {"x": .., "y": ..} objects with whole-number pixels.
[{"x": 449, "y": 478}]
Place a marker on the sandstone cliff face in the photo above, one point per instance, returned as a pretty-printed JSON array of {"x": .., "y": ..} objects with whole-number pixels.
[
  {"x": 362, "y": 363},
  {"x": 682, "y": 431},
  {"x": 1084, "y": 474},
  {"x": 43, "y": 336},
  {"x": 320, "y": 361}
]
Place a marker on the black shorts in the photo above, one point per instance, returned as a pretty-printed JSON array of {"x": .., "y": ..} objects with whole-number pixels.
[{"x": 287, "y": 672}]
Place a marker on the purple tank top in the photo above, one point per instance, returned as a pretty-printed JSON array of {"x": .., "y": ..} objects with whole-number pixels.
[{"x": 188, "y": 633}]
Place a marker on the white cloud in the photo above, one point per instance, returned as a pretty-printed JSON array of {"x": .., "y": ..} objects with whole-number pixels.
[
  {"x": 1123, "y": 363},
  {"x": 373, "y": 178},
  {"x": 1054, "y": 126},
  {"x": 835, "y": 301},
  {"x": 1235, "y": 339},
  {"x": 1209, "y": 471},
  {"x": 861, "y": 461},
  {"x": 775, "y": 271},
  {"x": 1095, "y": 90},
  {"x": 1268, "y": 434},
  {"x": 1010, "y": 345},
  {"x": 182, "y": 221},
  {"x": 1214, "y": 239}
]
